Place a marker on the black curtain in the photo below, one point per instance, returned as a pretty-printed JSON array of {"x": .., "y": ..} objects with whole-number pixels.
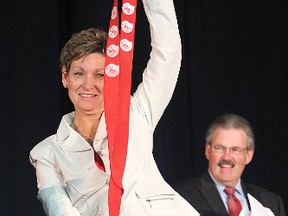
[{"x": 234, "y": 60}]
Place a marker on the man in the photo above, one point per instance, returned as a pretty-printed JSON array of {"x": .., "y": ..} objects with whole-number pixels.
[{"x": 229, "y": 148}]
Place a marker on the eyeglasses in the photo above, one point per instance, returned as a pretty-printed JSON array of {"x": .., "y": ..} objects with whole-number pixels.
[{"x": 233, "y": 150}]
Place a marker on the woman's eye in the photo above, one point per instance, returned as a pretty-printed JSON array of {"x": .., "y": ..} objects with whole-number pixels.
[
  {"x": 99, "y": 73},
  {"x": 78, "y": 74}
]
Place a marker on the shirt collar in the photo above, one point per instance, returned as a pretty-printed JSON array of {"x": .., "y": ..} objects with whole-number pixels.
[{"x": 220, "y": 187}]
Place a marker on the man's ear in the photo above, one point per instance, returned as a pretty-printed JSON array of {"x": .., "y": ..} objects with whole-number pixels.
[
  {"x": 249, "y": 156},
  {"x": 207, "y": 150}
]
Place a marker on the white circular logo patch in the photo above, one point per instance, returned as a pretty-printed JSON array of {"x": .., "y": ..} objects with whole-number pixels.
[
  {"x": 112, "y": 50},
  {"x": 126, "y": 45},
  {"x": 113, "y": 31},
  {"x": 126, "y": 26},
  {"x": 128, "y": 9},
  {"x": 114, "y": 13},
  {"x": 112, "y": 70}
]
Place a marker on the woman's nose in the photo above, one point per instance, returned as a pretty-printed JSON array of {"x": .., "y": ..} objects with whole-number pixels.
[{"x": 88, "y": 83}]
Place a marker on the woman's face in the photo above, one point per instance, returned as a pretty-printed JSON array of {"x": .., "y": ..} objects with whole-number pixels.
[{"x": 85, "y": 83}]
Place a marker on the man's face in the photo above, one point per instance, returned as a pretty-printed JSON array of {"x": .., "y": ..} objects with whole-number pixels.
[{"x": 227, "y": 165}]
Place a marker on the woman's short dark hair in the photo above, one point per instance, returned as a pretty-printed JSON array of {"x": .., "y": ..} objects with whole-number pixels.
[{"x": 83, "y": 43}]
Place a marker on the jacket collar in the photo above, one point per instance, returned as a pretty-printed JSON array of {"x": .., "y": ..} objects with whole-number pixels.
[
  {"x": 70, "y": 140},
  {"x": 245, "y": 191},
  {"x": 211, "y": 194}
]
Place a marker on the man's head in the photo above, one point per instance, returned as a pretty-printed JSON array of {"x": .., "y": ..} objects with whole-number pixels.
[{"x": 229, "y": 148}]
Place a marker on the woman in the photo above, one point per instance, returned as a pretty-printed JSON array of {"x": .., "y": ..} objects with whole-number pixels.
[{"x": 69, "y": 182}]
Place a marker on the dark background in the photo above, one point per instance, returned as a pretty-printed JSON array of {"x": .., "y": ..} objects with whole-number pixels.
[{"x": 234, "y": 60}]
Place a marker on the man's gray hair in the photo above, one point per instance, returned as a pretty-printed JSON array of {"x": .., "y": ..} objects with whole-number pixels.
[{"x": 232, "y": 121}]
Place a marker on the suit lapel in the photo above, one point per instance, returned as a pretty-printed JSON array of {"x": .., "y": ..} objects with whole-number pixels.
[
  {"x": 245, "y": 191},
  {"x": 211, "y": 194}
]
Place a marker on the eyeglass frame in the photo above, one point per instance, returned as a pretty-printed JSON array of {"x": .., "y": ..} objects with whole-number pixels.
[{"x": 232, "y": 150}]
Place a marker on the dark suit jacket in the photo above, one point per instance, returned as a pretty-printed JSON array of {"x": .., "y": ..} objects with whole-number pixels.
[{"x": 203, "y": 195}]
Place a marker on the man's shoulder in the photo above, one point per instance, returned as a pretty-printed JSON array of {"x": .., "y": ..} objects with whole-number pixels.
[
  {"x": 258, "y": 191},
  {"x": 267, "y": 198}
]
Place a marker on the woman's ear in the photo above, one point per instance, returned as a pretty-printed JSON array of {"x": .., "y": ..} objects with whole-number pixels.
[{"x": 64, "y": 77}]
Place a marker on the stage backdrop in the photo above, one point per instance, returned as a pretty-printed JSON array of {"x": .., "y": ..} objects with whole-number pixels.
[{"x": 234, "y": 61}]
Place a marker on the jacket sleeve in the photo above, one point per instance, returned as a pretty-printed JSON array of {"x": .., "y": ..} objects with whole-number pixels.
[
  {"x": 281, "y": 206},
  {"x": 52, "y": 193},
  {"x": 161, "y": 73}
]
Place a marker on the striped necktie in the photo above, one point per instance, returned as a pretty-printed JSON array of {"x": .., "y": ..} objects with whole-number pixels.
[{"x": 234, "y": 205}]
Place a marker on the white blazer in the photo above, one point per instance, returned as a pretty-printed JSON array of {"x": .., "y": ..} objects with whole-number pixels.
[{"x": 68, "y": 180}]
